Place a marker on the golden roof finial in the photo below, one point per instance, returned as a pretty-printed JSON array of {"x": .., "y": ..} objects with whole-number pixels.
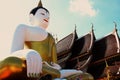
[
  {"x": 75, "y": 27},
  {"x": 92, "y": 25},
  {"x": 115, "y": 28},
  {"x": 115, "y": 24}
]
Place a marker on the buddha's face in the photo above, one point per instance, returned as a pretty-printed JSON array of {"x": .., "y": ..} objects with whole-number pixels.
[{"x": 41, "y": 18}]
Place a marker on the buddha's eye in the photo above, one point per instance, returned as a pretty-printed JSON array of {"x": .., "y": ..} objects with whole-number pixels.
[{"x": 42, "y": 13}]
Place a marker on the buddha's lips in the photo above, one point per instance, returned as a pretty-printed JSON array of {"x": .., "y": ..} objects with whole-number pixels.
[{"x": 45, "y": 20}]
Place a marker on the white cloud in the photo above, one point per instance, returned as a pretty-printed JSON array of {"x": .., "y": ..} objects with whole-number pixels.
[{"x": 83, "y": 7}]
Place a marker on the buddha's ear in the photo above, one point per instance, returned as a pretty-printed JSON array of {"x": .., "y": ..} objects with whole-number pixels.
[{"x": 31, "y": 18}]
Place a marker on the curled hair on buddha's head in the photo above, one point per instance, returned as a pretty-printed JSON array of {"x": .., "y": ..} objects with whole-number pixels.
[
  {"x": 40, "y": 6},
  {"x": 34, "y": 10}
]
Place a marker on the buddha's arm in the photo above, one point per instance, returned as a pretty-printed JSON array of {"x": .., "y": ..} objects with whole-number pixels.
[
  {"x": 32, "y": 57},
  {"x": 18, "y": 39}
]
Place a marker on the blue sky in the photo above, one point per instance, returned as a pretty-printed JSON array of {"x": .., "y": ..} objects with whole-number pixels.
[
  {"x": 64, "y": 14},
  {"x": 102, "y": 13}
]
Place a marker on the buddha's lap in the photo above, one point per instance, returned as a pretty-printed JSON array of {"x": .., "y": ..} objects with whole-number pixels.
[{"x": 13, "y": 68}]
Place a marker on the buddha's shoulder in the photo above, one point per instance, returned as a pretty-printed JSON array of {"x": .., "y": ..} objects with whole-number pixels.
[
  {"x": 27, "y": 27},
  {"x": 22, "y": 26}
]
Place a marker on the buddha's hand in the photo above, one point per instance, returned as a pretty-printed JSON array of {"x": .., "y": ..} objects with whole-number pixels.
[
  {"x": 34, "y": 64},
  {"x": 52, "y": 65},
  {"x": 55, "y": 66}
]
